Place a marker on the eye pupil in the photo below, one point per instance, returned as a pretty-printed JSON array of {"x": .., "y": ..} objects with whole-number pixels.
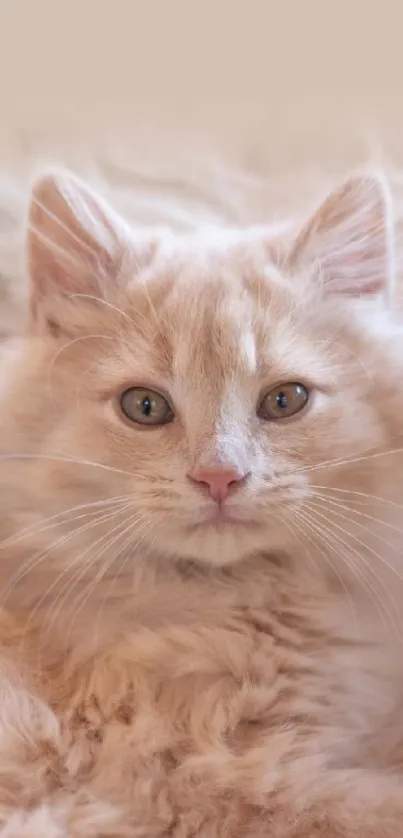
[
  {"x": 146, "y": 407},
  {"x": 282, "y": 401}
]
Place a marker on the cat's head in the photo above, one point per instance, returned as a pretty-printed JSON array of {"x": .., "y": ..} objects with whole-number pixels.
[{"x": 201, "y": 383}]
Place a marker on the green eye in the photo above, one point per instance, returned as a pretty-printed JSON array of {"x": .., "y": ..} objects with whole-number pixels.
[
  {"x": 145, "y": 407},
  {"x": 283, "y": 401}
]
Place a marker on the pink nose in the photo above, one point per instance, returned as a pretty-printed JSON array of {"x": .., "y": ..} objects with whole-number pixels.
[{"x": 219, "y": 481}]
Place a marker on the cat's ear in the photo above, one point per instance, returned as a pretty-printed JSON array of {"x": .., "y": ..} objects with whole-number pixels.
[
  {"x": 74, "y": 238},
  {"x": 350, "y": 239}
]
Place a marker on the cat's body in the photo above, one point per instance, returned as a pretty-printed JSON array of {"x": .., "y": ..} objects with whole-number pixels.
[
  {"x": 201, "y": 635},
  {"x": 232, "y": 710}
]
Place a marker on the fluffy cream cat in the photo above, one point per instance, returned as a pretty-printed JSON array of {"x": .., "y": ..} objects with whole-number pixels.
[{"x": 201, "y": 505}]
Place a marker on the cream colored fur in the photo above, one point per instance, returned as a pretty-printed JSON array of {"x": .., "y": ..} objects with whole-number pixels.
[{"x": 163, "y": 675}]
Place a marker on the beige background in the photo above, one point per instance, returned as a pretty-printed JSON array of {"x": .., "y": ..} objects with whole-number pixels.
[{"x": 277, "y": 84}]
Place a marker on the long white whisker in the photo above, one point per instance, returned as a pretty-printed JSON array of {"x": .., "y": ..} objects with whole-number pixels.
[
  {"x": 76, "y": 562},
  {"x": 117, "y": 533},
  {"x": 353, "y": 550},
  {"x": 128, "y": 531},
  {"x": 367, "y": 547},
  {"x": 341, "y": 461},
  {"x": 34, "y": 561},
  {"x": 340, "y": 549},
  {"x": 332, "y": 503},
  {"x": 60, "y": 518},
  {"x": 355, "y": 494},
  {"x": 287, "y": 523},
  {"x": 310, "y": 526},
  {"x": 64, "y": 459}
]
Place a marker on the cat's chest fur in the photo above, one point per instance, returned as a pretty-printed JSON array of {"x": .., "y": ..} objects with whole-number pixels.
[
  {"x": 199, "y": 694},
  {"x": 217, "y": 682}
]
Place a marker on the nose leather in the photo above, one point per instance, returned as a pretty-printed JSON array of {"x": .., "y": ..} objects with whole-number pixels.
[{"x": 218, "y": 481}]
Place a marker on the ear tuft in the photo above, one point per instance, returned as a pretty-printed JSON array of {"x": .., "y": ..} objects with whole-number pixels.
[{"x": 350, "y": 239}]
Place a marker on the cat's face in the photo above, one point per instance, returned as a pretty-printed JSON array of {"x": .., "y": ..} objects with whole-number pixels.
[{"x": 211, "y": 379}]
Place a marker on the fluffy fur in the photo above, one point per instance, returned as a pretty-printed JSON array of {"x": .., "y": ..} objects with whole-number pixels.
[{"x": 165, "y": 673}]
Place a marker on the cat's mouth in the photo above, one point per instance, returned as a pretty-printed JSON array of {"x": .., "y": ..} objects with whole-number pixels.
[{"x": 221, "y": 518}]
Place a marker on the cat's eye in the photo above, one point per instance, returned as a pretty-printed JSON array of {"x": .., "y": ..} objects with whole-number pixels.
[
  {"x": 283, "y": 401},
  {"x": 145, "y": 407}
]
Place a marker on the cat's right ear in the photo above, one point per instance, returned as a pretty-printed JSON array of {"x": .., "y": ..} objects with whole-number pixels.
[
  {"x": 349, "y": 240},
  {"x": 75, "y": 243}
]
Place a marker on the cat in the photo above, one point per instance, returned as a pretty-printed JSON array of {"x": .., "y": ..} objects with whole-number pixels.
[{"x": 200, "y": 512}]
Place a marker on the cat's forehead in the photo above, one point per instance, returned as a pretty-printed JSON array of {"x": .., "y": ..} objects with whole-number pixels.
[{"x": 213, "y": 315}]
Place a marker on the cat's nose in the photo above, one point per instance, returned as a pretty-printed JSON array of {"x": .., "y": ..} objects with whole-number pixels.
[{"x": 218, "y": 481}]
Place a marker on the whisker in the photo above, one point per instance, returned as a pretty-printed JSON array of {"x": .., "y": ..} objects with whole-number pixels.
[
  {"x": 358, "y": 494},
  {"x": 361, "y": 558},
  {"x": 113, "y": 537},
  {"x": 58, "y": 520},
  {"x": 310, "y": 527},
  {"x": 66, "y": 459},
  {"x": 332, "y": 502},
  {"x": 61, "y": 599},
  {"x": 287, "y": 523},
  {"x": 340, "y": 549},
  {"x": 341, "y": 461},
  {"x": 76, "y": 562},
  {"x": 34, "y": 561},
  {"x": 128, "y": 531},
  {"x": 359, "y": 541}
]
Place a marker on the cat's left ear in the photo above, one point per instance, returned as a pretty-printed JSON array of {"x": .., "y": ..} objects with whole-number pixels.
[
  {"x": 74, "y": 240},
  {"x": 79, "y": 250},
  {"x": 350, "y": 239}
]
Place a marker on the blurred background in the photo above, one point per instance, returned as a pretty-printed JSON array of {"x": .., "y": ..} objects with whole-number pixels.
[
  {"x": 158, "y": 102},
  {"x": 273, "y": 86}
]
